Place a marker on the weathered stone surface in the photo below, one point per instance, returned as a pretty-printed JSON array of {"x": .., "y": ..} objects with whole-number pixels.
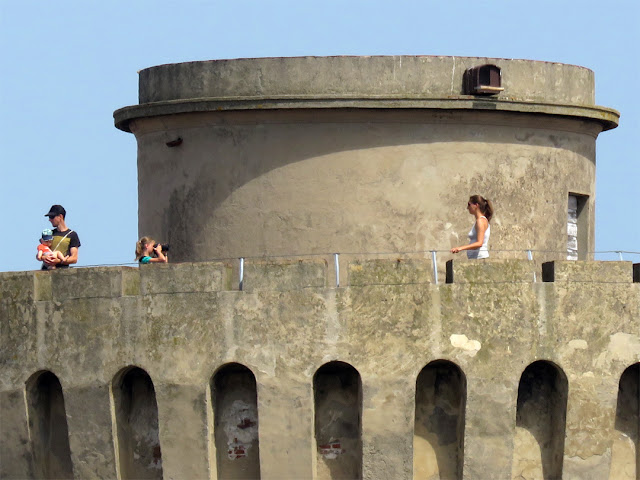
[
  {"x": 130, "y": 281},
  {"x": 390, "y": 272},
  {"x": 387, "y": 426},
  {"x": 74, "y": 283},
  {"x": 599, "y": 272},
  {"x": 388, "y": 333},
  {"x": 17, "y": 287},
  {"x": 380, "y": 82},
  {"x": 42, "y": 284},
  {"x": 287, "y": 445},
  {"x": 16, "y": 458},
  {"x": 182, "y": 415},
  {"x": 491, "y": 271},
  {"x": 365, "y": 155},
  {"x": 88, "y": 436},
  {"x": 382, "y": 177},
  {"x": 284, "y": 275},
  {"x": 200, "y": 277},
  {"x": 409, "y": 76},
  {"x": 490, "y": 428}
]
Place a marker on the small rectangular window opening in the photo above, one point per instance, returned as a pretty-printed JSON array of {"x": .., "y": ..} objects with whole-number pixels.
[{"x": 577, "y": 227}]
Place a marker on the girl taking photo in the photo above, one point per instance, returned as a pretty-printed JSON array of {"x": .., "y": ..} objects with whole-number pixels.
[{"x": 148, "y": 251}]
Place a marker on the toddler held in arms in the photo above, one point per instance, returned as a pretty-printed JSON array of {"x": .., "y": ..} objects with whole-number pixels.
[{"x": 44, "y": 249}]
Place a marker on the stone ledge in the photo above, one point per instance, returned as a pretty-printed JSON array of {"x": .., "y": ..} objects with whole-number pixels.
[
  {"x": 372, "y": 82},
  {"x": 283, "y": 276},
  {"x": 363, "y": 76},
  {"x": 70, "y": 283},
  {"x": 389, "y": 272},
  {"x": 587, "y": 271},
  {"x": 491, "y": 271},
  {"x": 112, "y": 282},
  {"x": 184, "y": 277},
  {"x": 607, "y": 117},
  {"x": 17, "y": 286},
  {"x": 130, "y": 282}
]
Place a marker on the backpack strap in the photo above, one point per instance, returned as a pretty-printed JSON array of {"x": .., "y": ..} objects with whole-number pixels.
[{"x": 60, "y": 241}]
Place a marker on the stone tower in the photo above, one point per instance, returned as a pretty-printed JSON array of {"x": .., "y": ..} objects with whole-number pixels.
[
  {"x": 294, "y": 156},
  {"x": 258, "y": 353}
]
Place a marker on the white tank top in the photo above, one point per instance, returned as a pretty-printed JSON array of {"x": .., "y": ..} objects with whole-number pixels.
[{"x": 483, "y": 251}]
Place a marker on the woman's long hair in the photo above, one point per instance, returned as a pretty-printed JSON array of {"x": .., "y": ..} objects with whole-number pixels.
[
  {"x": 484, "y": 204},
  {"x": 140, "y": 246}
]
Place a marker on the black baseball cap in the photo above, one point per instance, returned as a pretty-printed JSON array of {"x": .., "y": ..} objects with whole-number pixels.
[{"x": 56, "y": 210}]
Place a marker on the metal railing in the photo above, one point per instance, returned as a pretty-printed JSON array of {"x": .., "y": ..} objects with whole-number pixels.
[{"x": 533, "y": 255}]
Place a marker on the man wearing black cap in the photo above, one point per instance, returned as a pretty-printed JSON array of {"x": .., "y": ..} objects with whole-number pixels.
[{"x": 65, "y": 240}]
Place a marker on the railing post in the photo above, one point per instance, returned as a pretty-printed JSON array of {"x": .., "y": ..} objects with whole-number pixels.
[
  {"x": 434, "y": 260},
  {"x": 241, "y": 273},
  {"x": 620, "y": 255},
  {"x": 530, "y": 257},
  {"x": 337, "y": 262}
]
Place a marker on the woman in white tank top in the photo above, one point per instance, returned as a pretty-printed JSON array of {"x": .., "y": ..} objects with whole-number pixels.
[{"x": 478, "y": 246}]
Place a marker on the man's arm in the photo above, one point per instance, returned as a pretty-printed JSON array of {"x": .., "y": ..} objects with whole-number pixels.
[
  {"x": 72, "y": 257},
  {"x": 50, "y": 260}
]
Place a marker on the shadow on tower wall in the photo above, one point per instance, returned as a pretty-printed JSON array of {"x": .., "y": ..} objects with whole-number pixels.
[
  {"x": 338, "y": 421},
  {"x": 438, "y": 441},
  {"x": 540, "y": 422},
  {"x": 48, "y": 427},
  {"x": 235, "y": 414},
  {"x": 136, "y": 418},
  {"x": 625, "y": 455}
]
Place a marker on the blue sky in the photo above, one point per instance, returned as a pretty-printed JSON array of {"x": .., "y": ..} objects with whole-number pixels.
[{"x": 68, "y": 65}]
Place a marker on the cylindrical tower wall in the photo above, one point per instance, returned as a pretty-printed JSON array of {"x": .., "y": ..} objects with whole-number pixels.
[{"x": 326, "y": 170}]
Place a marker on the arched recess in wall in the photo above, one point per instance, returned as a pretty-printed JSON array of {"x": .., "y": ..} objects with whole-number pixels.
[
  {"x": 540, "y": 422},
  {"x": 337, "y": 392},
  {"x": 625, "y": 455},
  {"x": 48, "y": 429},
  {"x": 235, "y": 422},
  {"x": 136, "y": 423},
  {"x": 438, "y": 436}
]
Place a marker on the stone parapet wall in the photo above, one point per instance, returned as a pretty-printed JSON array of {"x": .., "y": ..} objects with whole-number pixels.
[
  {"x": 421, "y": 76},
  {"x": 398, "y": 81},
  {"x": 181, "y": 323}
]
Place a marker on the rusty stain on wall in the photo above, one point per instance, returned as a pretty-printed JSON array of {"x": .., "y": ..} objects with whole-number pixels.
[
  {"x": 332, "y": 449},
  {"x": 240, "y": 423}
]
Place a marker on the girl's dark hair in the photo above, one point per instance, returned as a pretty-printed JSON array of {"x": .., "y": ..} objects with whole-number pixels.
[{"x": 484, "y": 204}]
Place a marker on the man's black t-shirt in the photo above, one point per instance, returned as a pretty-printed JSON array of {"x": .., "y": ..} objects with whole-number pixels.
[{"x": 63, "y": 241}]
